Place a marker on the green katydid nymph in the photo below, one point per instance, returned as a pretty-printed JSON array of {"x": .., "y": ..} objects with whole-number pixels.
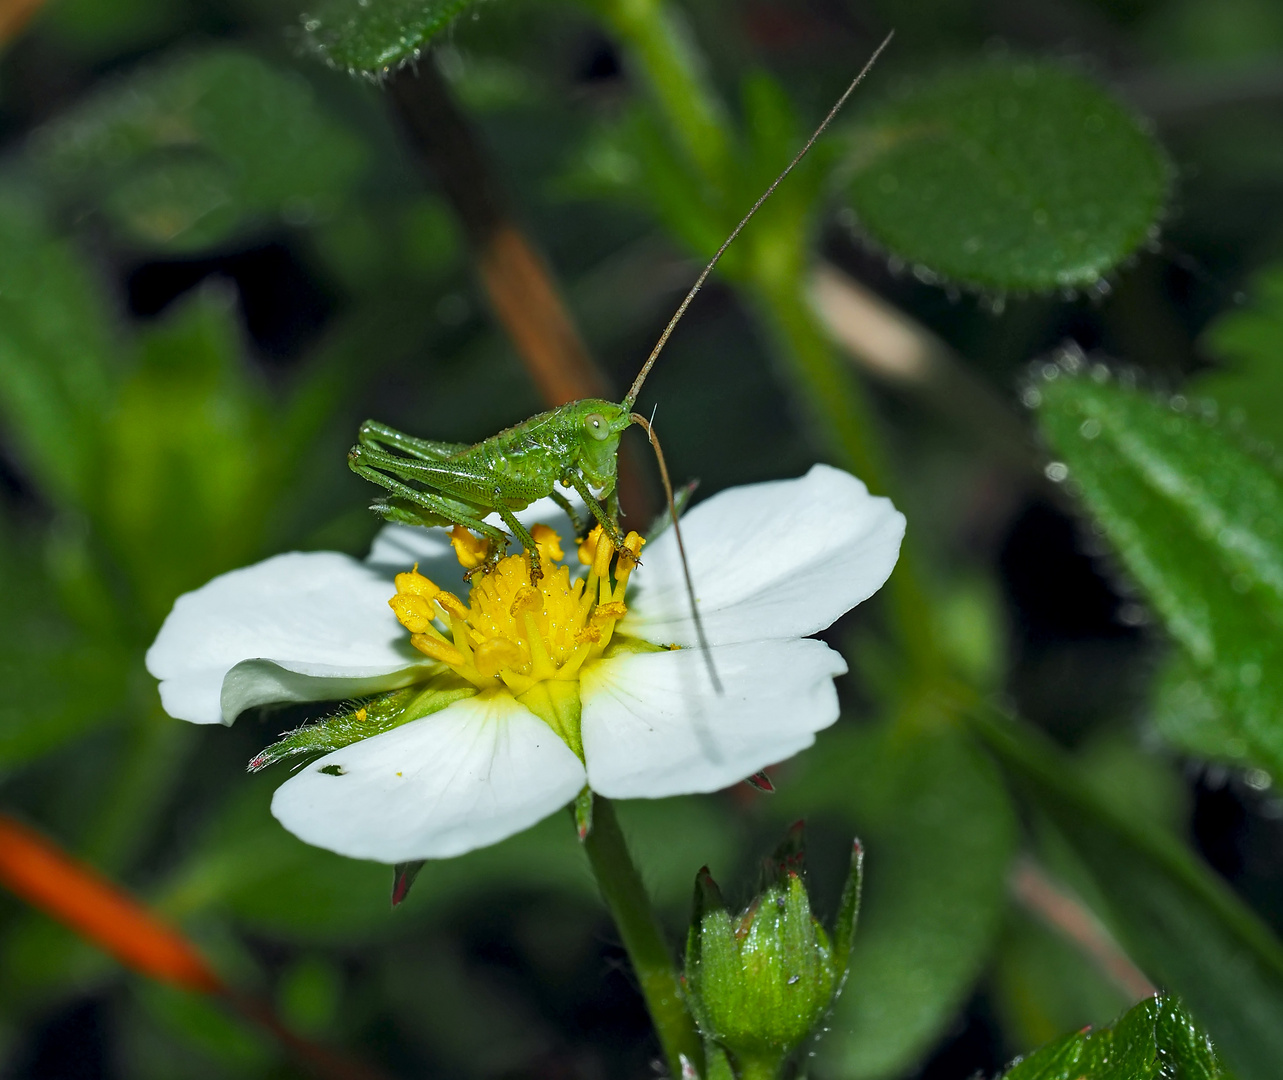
[{"x": 574, "y": 447}]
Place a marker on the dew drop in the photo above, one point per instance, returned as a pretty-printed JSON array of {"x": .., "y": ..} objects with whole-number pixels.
[
  {"x": 1089, "y": 429},
  {"x": 1257, "y": 779},
  {"x": 1030, "y": 397},
  {"x": 1057, "y": 472}
]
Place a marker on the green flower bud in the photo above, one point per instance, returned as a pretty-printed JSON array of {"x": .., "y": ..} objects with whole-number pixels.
[{"x": 760, "y": 983}]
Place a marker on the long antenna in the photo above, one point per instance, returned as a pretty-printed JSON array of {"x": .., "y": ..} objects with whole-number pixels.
[
  {"x": 637, "y": 418},
  {"x": 635, "y": 389}
]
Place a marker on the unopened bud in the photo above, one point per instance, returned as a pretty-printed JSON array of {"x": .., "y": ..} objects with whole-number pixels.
[{"x": 760, "y": 983}]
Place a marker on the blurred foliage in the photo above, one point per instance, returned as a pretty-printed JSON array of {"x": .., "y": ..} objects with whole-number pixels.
[
  {"x": 201, "y": 147},
  {"x": 371, "y": 37},
  {"x": 1249, "y": 388},
  {"x": 142, "y": 453},
  {"x": 1013, "y": 174}
]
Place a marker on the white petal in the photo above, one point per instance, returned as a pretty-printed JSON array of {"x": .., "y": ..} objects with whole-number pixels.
[
  {"x": 398, "y": 547},
  {"x": 297, "y": 627},
  {"x": 773, "y": 560},
  {"x": 465, "y": 777},
  {"x": 653, "y": 725}
]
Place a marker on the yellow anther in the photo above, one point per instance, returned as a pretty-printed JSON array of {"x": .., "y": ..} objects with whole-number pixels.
[
  {"x": 548, "y": 543},
  {"x": 416, "y": 584},
  {"x": 361, "y": 714},
  {"x": 607, "y": 612},
  {"x": 471, "y": 551},
  {"x": 437, "y": 649},
  {"x": 631, "y": 550},
  {"x": 412, "y": 611},
  {"x": 528, "y": 598},
  {"x": 591, "y": 633},
  {"x": 452, "y": 604},
  {"x": 602, "y": 556},
  {"x": 588, "y": 549},
  {"x": 492, "y": 656}
]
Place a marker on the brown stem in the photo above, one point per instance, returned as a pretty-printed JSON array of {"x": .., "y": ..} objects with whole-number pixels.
[
  {"x": 14, "y": 15},
  {"x": 520, "y": 286},
  {"x": 1067, "y": 915}
]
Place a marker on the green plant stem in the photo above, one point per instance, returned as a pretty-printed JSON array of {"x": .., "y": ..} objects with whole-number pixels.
[
  {"x": 675, "y": 68},
  {"x": 832, "y": 396},
  {"x": 625, "y": 895}
]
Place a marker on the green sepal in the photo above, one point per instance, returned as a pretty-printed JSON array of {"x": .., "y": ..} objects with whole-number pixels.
[
  {"x": 582, "y": 808},
  {"x": 848, "y": 913},
  {"x": 359, "y": 720},
  {"x": 403, "y": 875}
]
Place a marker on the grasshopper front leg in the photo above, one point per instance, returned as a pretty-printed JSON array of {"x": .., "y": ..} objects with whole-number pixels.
[{"x": 608, "y": 523}]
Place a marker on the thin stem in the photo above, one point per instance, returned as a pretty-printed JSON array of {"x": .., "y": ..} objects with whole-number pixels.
[
  {"x": 675, "y": 68},
  {"x": 625, "y": 895}
]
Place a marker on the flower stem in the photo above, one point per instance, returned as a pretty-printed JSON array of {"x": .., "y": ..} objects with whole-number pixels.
[{"x": 625, "y": 896}]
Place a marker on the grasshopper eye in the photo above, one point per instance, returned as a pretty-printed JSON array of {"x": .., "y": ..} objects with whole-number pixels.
[{"x": 597, "y": 426}]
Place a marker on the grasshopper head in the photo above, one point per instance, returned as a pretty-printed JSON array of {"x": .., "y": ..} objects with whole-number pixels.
[{"x": 601, "y": 423}]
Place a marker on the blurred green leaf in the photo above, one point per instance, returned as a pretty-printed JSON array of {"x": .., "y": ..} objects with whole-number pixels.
[
  {"x": 1250, "y": 342},
  {"x": 182, "y": 155},
  {"x": 58, "y": 357},
  {"x": 193, "y": 453},
  {"x": 1197, "y": 518},
  {"x": 372, "y": 37},
  {"x": 1179, "y": 922},
  {"x": 1009, "y": 174},
  {"x": 939, "y": 832},
  {"x": 1154, "y": 1040},
  {"x": 60, "y": 678}
]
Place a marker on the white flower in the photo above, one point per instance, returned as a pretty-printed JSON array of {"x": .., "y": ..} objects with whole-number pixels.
[{"x": 516, "y": 698}]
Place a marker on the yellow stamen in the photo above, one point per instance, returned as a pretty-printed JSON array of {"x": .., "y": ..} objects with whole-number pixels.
[
  {"x": 437, "y": 648},
  {"x": 412, "y": 610},
  {"x": 530, "y": 638},
  {"x": 548, "y": 543},
  {"x": 588, "y": 549},
  {"x": 452, "y": 605},
  {"x": 415, "y": 583},
  {"x": 470, "y": 550}
]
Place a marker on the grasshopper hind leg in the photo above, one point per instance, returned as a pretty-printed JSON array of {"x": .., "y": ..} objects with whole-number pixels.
[{"x": 425, "y": 508}]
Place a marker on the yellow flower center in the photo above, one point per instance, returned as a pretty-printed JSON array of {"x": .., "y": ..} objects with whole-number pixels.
[{"x": 531, "y": 638}]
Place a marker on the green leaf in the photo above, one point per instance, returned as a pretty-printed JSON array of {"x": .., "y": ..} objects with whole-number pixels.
[
  {"x": 1155, "y": 1040},
  {"x": 59, "y": 679},
  {"x": 1179, "y": 922},
  {"x": 939, "y": 832},
  {"x": 1197, "y": 518},
  {"x": 1008, "y": 174},
  {"x": 58, "y": 357},
  {"x": 183, "y": 155},
  {"x": 1249, "y": 388},
  {"x": 372, "y": 37},
  {"x": 193, "y": 456}
]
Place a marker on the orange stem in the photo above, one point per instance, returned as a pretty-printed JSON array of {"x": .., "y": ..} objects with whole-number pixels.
[{"x": 77, "y": 895}]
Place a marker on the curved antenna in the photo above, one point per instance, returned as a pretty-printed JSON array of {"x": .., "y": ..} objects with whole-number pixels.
[
  {"x": 641, "y": 421},
  {"x": 635, "y": 389}
]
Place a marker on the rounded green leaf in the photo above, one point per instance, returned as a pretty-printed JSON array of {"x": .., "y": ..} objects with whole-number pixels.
[
  {"x": 1008, "y": 175},
  {"x": 372, "y": 37}
]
